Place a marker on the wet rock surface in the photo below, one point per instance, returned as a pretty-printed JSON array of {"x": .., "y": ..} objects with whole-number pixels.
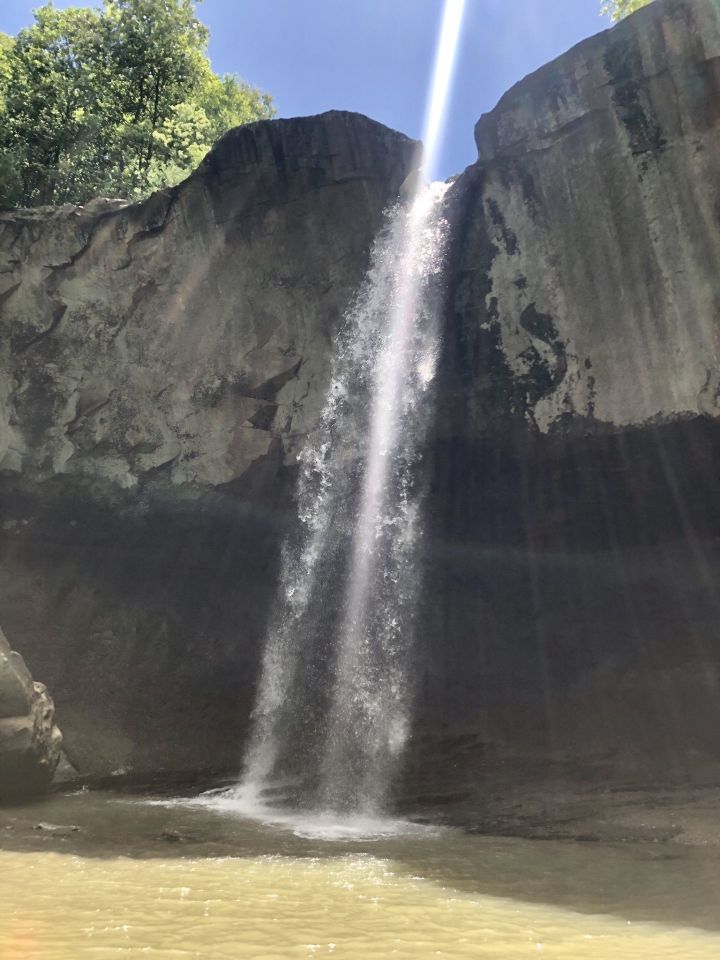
[{"x": 462, "y": 782}]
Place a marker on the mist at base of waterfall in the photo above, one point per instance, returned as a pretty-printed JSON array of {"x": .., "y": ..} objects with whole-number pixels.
[
  {"x": 317, "y": 824},
  {"x": 271, "y": 807}
]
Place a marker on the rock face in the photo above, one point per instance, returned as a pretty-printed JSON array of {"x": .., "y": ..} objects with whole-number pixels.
[
  {"x": 593, "y": 211},
  {"x": 180, "y": 336},
  {"x": 575, "y": 510},
  {"x": 29, "y": 740},
  {"x": 160, "y": 362}
]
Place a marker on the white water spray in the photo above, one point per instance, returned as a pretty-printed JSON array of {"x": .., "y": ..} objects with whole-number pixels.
[{"x": 333, "y": 708}]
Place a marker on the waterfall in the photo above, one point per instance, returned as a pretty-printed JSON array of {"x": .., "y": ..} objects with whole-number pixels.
[
  {"x": 332, "y": 712},
  {"x": 333, "y": 707}
]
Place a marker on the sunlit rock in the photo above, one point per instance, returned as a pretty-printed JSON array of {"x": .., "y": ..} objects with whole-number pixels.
[{"x": 591, "y": 228}]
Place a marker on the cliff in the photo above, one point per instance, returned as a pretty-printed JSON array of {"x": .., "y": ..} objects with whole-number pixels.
[
  {"x": 593, "y": 215},
  {"x": 160, "y": 363},
  {"x": 575, "y": 510}
]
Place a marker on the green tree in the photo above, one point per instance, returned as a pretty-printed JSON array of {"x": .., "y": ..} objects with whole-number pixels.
[
  {"x": 621, "y": 8},
  {"x": 6, "y": 45},
  {"x": 184, "y": 137},
  {"x": 48, "y": 94},
  {"x": 9, "y": 183},
  {"x": 155, "y": 51},
  {"x": 119, "y": 100},
  {"x": 228, "y": 101}
]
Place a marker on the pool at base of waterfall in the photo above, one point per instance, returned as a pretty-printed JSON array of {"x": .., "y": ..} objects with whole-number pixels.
[{"x": 102, "y": 875}]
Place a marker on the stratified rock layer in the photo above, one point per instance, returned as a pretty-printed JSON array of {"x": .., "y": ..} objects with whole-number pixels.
[{"x": 30, "y": 741}]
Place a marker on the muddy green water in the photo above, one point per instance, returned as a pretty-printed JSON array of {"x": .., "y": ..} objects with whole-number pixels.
[{"x": 172, "y": 881}]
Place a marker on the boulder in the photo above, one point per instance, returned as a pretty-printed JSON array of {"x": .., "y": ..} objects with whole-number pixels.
[
  {"x": 16, "y": 686},
  {"x": 30, "y": 742}
]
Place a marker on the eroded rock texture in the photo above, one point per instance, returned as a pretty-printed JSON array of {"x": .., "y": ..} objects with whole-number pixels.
[{"x": 30, "y": 741}]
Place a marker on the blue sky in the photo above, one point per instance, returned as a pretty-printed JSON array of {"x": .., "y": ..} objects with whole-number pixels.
[{"x": 375, "y": 56}]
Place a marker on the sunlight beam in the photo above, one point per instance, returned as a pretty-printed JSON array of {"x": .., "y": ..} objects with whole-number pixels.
[{"x": 445, "y": 61}]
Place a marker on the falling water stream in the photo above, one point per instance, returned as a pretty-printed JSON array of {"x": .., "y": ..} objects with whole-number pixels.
[{"x": 333, "y": 707}]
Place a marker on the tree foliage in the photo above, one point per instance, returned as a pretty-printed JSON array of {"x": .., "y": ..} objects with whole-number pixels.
[
  {"x": 118, "y": 100},
  {"x": 622, "y": 8},
  {"x": 6, "y": 45}
]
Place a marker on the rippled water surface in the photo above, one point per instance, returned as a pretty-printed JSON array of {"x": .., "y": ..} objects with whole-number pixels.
[{"x": 167, "y": 881}]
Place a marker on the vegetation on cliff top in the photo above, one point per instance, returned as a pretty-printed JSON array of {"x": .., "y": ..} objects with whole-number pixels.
[
  {"x": 119, "y": 100},
  {"x": 622, "y": 8}
]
